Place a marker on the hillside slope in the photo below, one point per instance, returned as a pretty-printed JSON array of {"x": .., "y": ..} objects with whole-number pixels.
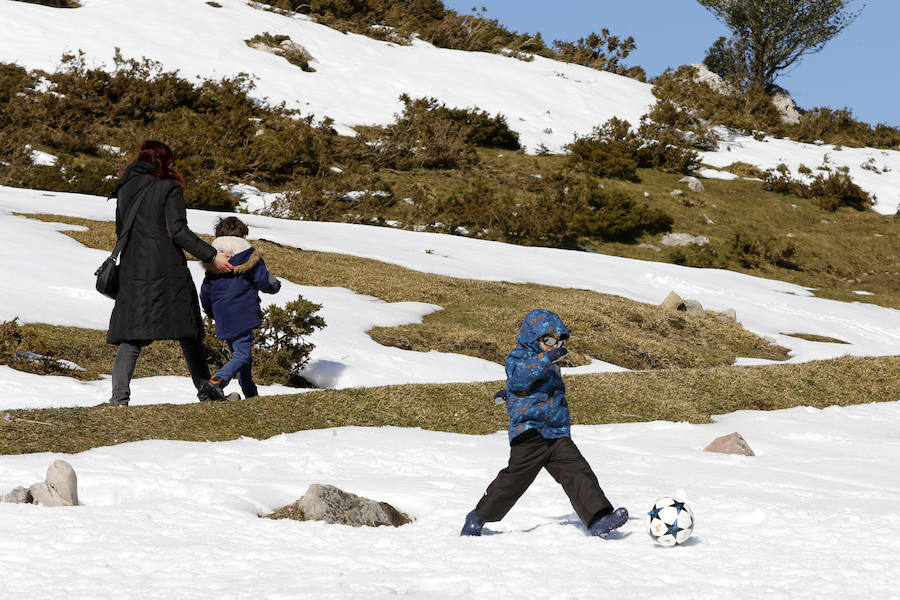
[{"x": 358, "y": 80}]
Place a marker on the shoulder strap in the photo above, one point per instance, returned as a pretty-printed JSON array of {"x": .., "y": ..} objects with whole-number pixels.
[{"x": 129, "y": 221}]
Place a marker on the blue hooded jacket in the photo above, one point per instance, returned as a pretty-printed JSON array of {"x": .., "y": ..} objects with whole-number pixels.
[
  {"x": 535, "y": 392},
  {"x": 231, "y": 298}
]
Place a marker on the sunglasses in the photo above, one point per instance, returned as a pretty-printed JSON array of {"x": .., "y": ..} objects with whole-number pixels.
[{"x": 551, "y": 342}]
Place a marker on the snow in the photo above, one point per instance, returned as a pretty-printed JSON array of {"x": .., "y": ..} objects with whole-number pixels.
[
  {"x": 358, "y": 80},
  {"x": 883, "y": 181},
  {"x": 813, "y": 515}
]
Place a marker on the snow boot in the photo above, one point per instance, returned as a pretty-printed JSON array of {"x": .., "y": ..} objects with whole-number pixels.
[
  {"x": 212, "y": 390},
  {"x": 473, "y": 525},
  {"x": 601, "y": 526}
]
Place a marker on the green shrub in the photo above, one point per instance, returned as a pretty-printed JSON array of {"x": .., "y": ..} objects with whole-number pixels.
[
  {"x": 610, "y": 150},
  {"x": 283, "y": 46},
  {"x": 218, "y": 132},
  {"x": 744, "y": 110},
  {"x": 430, "y": 20},
  {"x": 614, "y": 216},
  {"x": 841, "y": 128},
  {"x": 426, "y": 135},
  {"x": 837, "y": 190},
  {"x": 614, "y": 150},
  {"x": 603, "y": 52},
  {"x": 831, "y": 191},
  {"x": 26, "y": 352},
  {"x": 751, "y": 250},
  {"x": 279, "y": 349}
]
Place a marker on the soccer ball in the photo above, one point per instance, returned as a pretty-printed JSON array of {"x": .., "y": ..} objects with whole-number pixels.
[{"x": 669, "y": 521}]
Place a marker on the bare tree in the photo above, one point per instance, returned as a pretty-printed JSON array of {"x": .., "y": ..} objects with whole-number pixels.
[{"x": 768, "y": 36}]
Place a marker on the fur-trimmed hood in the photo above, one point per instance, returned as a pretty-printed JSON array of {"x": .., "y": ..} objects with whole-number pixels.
[{"x": 244, "y": 256}]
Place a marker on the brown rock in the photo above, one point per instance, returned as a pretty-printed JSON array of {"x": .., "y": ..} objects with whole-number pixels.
[
  {"x": 673, "y": 302},
  {"x": 733, "y": 443}
]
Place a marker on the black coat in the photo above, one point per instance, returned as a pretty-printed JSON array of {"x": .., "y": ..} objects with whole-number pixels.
[{"x": 157, "y": 299}]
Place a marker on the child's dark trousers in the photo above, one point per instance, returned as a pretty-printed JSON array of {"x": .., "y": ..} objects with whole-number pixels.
[{"x": 529, "y": 453}]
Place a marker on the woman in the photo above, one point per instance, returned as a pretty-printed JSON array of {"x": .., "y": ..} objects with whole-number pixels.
[{"x": 157, "y": 299}]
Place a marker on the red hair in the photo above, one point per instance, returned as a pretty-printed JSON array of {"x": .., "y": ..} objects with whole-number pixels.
[{"x": 162, "y": 158}]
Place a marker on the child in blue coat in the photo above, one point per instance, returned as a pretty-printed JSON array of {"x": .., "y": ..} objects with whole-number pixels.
[
  {"x": 539, "y": 434},
  {"x": 232, "y": 299}
]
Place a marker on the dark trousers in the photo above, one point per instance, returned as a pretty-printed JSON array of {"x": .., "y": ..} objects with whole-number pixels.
[
  {"x": 126, "y": 359},
  {"x": 528, "y": 454}
]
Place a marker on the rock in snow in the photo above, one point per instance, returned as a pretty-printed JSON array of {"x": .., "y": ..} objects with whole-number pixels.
[
  {"x": 333, "y": 505},
  {"x": 733, "y": 443},
  {"x": 60, "y": 487}
]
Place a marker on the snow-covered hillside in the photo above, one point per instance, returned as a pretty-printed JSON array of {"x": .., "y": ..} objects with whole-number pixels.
[
  {"x": 52, "y": 282},
  {"x": 358, "y": 80}
]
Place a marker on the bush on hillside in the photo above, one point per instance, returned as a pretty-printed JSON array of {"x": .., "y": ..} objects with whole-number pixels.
[
  {"x": 603, "y": 52},
  {"x": 610, "y": 215},
  {"x": 610, "y": 150},
  {"x": 428, "y": 134},
  {"x": 280, "y": 349},
  {"x": 283, "y": 46},
  {"x": 747, "y": 111},
  {"x": 25, "y": 351},
  {"x": 429, "y": 20},
  {"x": 751, "y": 110},
  {"x": 614, "y": 150},
  {"x": 830, "y": 191},
  {"x": 218, "y": 132},
  {"x": 751, "y": 250},
  {"x": 840, "y": 127}
]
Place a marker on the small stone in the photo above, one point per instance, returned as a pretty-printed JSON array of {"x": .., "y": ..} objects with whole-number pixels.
[
  {"x": 693, "y": 308},
  {"x": 694, "y": 184},
  {"x": 19, "y": 495},
  {"x": 733, "y": 443},
  {"x": 683, "y": 239}
]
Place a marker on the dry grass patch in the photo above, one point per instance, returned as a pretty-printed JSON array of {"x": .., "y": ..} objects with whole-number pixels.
[
  {"x": 811, "y": 337},
  {"x": 678, "y": 395}
]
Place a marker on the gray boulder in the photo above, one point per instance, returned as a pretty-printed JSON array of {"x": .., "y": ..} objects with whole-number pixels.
[
  {"x": 60, "y": 487},
  {"x": 733, "y": 443},
  {"x": 683, "y": 239},
  {"x": 703, "y": 75},
  {"x": 786, "y": 106},
  {"x": 19, "y": 495},
  {"x": 727, "y": 315},
  {"x": 694, "y": 184},
  {"x": 333, "y": 505},
  {"x": 693, "y": 308}
]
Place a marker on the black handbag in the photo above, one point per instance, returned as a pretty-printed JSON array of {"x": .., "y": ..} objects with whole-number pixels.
[{"x": 108, "y": 273}]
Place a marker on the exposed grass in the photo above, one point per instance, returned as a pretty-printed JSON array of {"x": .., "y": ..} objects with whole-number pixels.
[
  {"x": 481, "y": 318},
  {"x": 811, "y": 337},
  {"x": 676, "y": 395}
]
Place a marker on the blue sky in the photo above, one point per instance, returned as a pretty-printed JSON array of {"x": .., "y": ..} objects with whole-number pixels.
[{"x": 858, "y": 69}]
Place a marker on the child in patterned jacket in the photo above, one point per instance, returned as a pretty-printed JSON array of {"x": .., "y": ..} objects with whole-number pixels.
[{"x": 539, "y": 433}]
